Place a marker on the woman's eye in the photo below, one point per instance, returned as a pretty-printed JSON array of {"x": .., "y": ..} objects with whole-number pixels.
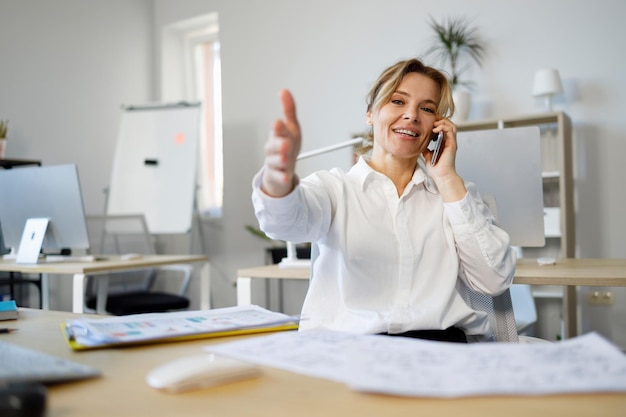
[
  {"x": 428, "y": 110},
  {"x": 397, "y": 101}
]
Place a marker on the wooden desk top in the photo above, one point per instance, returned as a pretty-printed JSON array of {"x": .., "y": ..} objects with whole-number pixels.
[
  {"x": 122, "y": 390},
  {"x": 274, "y": 271},
  {"x": 112, "y": 263},
  {"x": 574, "y": 271}
]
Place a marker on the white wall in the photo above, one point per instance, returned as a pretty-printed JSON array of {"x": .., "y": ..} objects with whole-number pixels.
[
  {"x": 328, "y": 53},
  {"x": 66, "y": 67}
]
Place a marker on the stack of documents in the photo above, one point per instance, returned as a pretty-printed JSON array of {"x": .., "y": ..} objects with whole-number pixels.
[
  {"x": 156, "y": 327},
  {"x": 422, "y": 368}
]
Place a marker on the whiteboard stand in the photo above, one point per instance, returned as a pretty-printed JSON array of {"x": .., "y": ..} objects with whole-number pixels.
[
  {"x": 196, "y": 224},
  {"x": 155, "y": 167}
]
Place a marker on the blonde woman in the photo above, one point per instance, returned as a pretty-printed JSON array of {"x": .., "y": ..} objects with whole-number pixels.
[{"x": 395, "y": 240}]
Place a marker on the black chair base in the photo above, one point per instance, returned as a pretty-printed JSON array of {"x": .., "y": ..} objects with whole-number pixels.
[{"x": 16, "y": 278}]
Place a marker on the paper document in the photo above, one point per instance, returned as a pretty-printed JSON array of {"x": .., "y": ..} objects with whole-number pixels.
[
  {"x": 165, "y": 326},
  {"x": 413, "y": 367}
]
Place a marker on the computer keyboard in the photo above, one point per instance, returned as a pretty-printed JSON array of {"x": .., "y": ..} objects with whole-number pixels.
[
  {"x": 19, "y": 364},
  {"x": 74, "y": 258}
]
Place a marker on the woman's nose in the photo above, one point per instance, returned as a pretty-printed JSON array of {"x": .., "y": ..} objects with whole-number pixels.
[{"x": 411, "y": 115}]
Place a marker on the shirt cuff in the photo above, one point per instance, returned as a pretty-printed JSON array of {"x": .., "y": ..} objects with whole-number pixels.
[
  {"x": 460, "y": 212},
  {"x": 268, "y": 200}
]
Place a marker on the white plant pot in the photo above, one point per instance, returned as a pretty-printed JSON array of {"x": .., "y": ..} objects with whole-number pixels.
[
  {"x": 3, "y": 146},
  {"x": 462, "y": 103}
]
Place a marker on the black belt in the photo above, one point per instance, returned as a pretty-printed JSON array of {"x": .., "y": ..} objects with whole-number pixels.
[{"x": 451, "y": 334}]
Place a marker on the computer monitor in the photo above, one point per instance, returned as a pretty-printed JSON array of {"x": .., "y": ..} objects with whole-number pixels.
[
  {"x": 51, "y": 192},
  {"x": 506, "y": 164}
]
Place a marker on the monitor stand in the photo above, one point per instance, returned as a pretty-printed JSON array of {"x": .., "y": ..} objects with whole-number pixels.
[{"x": 32, "y": 240}]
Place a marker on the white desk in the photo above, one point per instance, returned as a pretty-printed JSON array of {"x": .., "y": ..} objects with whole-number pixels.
[
  {"x": 570, "y": 273},
  {"x": 123, "y": 392},
  {"x": 80, "y": 271}
]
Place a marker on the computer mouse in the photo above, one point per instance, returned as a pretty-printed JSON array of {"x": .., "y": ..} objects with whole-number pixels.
[
  {"x": 546, "y": 260},
  {"x": 199, "y": 371},
  {"x": 22, "y": 399}
]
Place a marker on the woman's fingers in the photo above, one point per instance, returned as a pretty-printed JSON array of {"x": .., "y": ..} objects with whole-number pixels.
[
  {"x": 289, "y": 110},
  {"x": 282, "y": 149}
]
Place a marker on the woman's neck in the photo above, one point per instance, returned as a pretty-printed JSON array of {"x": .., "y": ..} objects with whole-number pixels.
[{"x": 399, "y": 171}]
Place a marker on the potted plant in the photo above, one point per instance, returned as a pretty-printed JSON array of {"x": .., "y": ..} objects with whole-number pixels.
[
  {"x": 454, "y": 41},
  {"x": 4, "y": 124}
]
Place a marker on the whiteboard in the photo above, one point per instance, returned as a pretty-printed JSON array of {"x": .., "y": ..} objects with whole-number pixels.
[{"x": 154, "y": 167}]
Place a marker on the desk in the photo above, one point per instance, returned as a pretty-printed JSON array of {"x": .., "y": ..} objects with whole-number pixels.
[
  {"x": 122, "y": 391},
  {"x": 570, "y": 272},
  {"x": 80, "y": 271}
]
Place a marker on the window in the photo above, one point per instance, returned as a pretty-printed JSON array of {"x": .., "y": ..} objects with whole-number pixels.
[{"x": 191, "y": 71}]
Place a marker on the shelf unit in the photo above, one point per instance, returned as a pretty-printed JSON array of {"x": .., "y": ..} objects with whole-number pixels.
[{"x": 558, "y": 196}]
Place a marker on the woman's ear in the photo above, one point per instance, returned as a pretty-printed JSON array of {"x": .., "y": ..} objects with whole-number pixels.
[{"x": 369, "y": 118}]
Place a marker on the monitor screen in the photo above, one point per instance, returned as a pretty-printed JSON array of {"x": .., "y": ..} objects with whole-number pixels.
[
  {"x": 48, "y": 191},
  {"x": 506, "y": 164}
]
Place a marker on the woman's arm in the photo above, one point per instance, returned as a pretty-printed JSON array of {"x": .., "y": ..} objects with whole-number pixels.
[{"x": 487, "y": 261}]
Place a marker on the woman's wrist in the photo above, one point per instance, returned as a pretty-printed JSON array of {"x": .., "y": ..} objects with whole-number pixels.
[{"x": 451, "y": 187}]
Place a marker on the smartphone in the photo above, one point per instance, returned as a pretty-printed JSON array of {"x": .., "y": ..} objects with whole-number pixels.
[{"x": 435, "y": 146}]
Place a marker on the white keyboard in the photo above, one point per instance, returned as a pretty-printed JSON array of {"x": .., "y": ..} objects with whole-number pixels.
[
  {"x": 73, "y": 258},
  {"x": 19, "y": 364}
]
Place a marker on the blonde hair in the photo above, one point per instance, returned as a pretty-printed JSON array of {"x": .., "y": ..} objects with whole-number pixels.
[{"x": 390, "y": 79}]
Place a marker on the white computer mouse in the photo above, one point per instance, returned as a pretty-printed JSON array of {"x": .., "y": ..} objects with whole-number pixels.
[
  {"x": 199, "y": 371},
  {"x": 546, "y": 260},
  {"x": 130, "y": 256}
]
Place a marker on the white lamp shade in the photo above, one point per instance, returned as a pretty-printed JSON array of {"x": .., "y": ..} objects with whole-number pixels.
[{"x": 547, "y": 82}]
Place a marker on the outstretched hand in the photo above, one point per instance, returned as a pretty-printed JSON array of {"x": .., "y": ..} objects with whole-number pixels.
[{"x": 281, "y": 150}]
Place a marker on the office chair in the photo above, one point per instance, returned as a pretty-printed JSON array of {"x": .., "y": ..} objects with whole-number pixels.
[
  {"x": 499, "y": 309},
  {"x": 524, "y": 308},
  {"x": 131, "y": 292}
]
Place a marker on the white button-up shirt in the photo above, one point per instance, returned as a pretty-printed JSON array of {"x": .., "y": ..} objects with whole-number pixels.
[{"x": 383, "y": 263}]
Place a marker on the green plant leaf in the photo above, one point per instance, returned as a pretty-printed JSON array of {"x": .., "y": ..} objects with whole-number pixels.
[
  {"x": 4, "y": 125},
  {"x": 455, "y": 38}
]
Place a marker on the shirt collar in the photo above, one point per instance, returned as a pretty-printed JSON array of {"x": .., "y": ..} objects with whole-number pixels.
[{"x": 365, "y": 174}]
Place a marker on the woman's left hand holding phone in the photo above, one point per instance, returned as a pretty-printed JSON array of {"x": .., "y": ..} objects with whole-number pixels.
[{"x": 281, "y": 150}]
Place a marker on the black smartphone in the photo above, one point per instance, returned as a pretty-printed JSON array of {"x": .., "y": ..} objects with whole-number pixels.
[{"x": 435, "y": 146}]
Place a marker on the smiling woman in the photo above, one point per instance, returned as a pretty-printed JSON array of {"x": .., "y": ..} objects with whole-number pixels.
[
  {"x": 439, "y": 103},
  {"x": 384, "y": 230}
]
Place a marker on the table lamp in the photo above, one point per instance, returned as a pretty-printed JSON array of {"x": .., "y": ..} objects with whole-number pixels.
[
  {"x": 292, "y": 260},
  {"x": 547, "y": 83}
]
